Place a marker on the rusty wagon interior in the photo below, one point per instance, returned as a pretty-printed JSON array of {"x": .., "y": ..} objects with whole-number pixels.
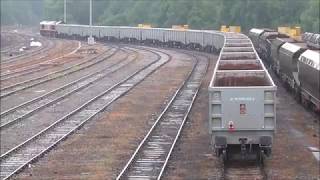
[
  {"x": 238, "y": 49},
  {"x": 238, "y": 56},
  {"x": 241, "y": 78},
  {"x": 228, "y": 44},
  {"x": 240, "y": 65}
]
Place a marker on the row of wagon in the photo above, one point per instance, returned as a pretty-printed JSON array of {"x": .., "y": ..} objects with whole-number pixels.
[
  {"x": 297, "y": 63},
  {"x": 242, "y": 93},
  {"x": 210, "y": 40}
]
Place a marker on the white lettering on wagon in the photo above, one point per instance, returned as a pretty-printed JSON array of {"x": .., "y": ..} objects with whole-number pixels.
[{"x": 242, "y": 99}]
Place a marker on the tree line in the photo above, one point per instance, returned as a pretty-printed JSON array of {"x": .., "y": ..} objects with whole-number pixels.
[{"x": 198, "y": 14}]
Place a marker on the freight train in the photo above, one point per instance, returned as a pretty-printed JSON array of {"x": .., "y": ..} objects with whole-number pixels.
[
  {"x": 210, "y": 41},
  {"x": 295, "y": 62},
  {"x": 242, "y": 95}
]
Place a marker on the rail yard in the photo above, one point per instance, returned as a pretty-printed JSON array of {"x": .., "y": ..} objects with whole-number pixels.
[{"x": 151, "y": 103}]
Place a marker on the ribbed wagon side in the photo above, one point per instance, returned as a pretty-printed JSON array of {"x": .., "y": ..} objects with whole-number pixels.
[
  {"x": 309, "y": 78},
  {"x": 275, "y": 47},
  {"x": 288, "y": 63},
  {"x": 152, "y": 35}
]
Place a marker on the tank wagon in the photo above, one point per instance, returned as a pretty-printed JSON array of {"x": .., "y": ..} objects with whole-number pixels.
[
  {"x": 309, "y": 78},
  {"x": 312, "y": 39},
  {"x": 288, "y": 59},
  {"x": 284, "y": 57},
  {"x": 242, "y": 95},
  {"x": 274, "y": 53},
  {"x": 261, "y": 38}
]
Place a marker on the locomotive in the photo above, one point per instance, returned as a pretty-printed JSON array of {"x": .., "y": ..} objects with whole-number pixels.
[
  {"x": 296, "y": 62},
  {"x": 48, "y": 28}
]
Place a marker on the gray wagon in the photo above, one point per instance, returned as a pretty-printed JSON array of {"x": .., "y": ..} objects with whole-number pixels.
[
  {"x": 242, "y": 102},
  {"x": 309, "y": 77}
]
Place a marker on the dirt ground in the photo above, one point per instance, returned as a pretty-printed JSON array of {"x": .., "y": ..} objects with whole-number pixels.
[
  {"x": 102, "y": 147},
  {"x": 59, "y": 49},
  {"x": 192, "y": 157},
  {"x": 297, "y": 129}
]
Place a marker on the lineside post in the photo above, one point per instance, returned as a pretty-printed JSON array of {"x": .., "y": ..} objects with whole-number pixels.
[
  {"x": 65, "y": 12},
  {"x": 90, "y": 38}
]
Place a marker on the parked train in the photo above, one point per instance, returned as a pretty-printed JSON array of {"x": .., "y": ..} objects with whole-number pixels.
[
  {"x": 295, "y": 62},
  {"x": 48, "y": 28},
  {"x": 242, "y": 93},
  {"x": 210, "y": 41}
]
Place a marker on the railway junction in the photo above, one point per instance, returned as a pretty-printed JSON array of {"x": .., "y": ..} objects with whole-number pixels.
[{"x": 130, "y": 110}]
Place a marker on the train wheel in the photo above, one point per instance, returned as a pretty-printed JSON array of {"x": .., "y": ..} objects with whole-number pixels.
[
  {"x": 261, "y": 156},
  {"x": 224, "y": 155},
  {"x": 297, "y": 94},
  {"x": 305, "y": 103},
  {"x": 314, "y": 108}
]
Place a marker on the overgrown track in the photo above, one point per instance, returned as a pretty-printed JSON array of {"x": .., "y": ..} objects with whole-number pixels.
[
  {"x": 19, "y": 157},
  {"x": 22, "y": 39},
  {"x": 25, "y": 120},
  {"x": 151, "y": 157},
  {"x": 12, "y": 89},
  {"x": 46, "y": 45},
  {"x": 30, "y": 68},
  {"x": 27, "y": 109}
]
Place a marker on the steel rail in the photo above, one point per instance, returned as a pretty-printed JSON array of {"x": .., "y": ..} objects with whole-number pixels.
[
  {"x": 24, "y": 111},
  {"x": 6, "y": 112},
  {"x": 160, "y": 120},
  {"x": 6, "y": 49},
  {"x": 180, "y": 129},
  {"x": 30, "y": 69},
  {"x": 35, "y": 69},
  {"x": 48, "y": 45},
  {"x": 110, "y": 95},
  {"x": 51, "y": 76}
]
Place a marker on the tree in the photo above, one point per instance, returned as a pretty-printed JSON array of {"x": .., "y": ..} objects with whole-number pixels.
[
  {"x": 21, "y": 11},
  {"x": 310, "y": 17},
  {"x": 198, "y": 14}
]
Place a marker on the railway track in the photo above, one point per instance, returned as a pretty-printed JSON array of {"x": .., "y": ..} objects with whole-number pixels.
[
  {"x": 46, "y": 45},
  {"x": 22, "y": 41},
  {"x": 8, "y": 74},
  {"x": 38, "y": 68},
  {"x": 237, "y": 170},
  {"x": 151, "y": 157},
  {"x": 25, "y": 110},
  {"x": 59, "y": 104},
  {"x": 12, "y": 89},
  {"x": 20, "y": 156}
]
